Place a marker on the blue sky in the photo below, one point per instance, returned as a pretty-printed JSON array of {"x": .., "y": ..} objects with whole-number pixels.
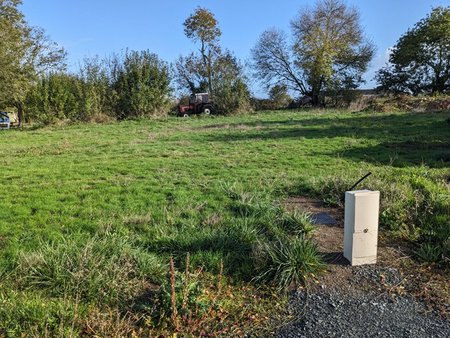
[{"x": 101, "y": 27}]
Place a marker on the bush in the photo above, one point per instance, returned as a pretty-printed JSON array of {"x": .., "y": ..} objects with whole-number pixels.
[
  {"x": 133, "y": 85},
  {"x": 141, "y": 82},
  {"x": 54, "y": 97},
  {"x": 231, "y": 93},
  {"x": 429, "y": 252}
]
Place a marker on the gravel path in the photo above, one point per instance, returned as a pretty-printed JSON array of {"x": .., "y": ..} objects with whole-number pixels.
[
  {"x": 340, "y": 313},
  {"x": 332, "y": 315}
]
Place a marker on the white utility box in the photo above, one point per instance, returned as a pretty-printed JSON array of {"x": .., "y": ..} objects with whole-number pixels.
[{"x": 361, "y": 226}]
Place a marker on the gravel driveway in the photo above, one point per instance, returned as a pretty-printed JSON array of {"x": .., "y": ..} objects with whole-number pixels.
[{"x": 341, "y": 315}]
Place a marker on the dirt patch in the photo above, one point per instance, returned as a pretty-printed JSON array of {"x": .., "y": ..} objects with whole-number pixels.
[{"x": 315, "y": 207}]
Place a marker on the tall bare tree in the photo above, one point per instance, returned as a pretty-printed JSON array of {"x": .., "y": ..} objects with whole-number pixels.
[{"x": 328, "y": 50}]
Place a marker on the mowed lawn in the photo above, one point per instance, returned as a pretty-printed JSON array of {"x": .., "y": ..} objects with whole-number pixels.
[{"x": 166, "y": 183}]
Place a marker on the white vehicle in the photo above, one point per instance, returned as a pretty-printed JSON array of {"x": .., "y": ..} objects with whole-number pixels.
[{"x": 5, "y": 121}]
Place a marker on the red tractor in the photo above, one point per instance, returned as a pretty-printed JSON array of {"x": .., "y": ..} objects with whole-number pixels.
[{"x": 198, "y": 103}]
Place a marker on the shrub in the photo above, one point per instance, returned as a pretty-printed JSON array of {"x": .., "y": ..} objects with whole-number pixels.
[
  {"x": 231, "y": 92},
  {"x": 429, "y": 252},
  {"x": 54, "y": 97},
  {"x": 142, "y": 84}
]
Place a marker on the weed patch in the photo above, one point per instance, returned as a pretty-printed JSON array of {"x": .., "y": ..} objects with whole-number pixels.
[{"x": 105, "y": 270}]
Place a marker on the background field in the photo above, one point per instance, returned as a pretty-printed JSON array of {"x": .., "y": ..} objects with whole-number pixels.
[{"x": 149, "y": 189}]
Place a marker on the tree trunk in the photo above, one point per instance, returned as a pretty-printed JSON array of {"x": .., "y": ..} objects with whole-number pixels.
[
  {"x": 315, "y": 93},
  {"x": 210, "y": 74},
  {"x": 20, "y": 114},
  {"x": 314, "y": 99}
]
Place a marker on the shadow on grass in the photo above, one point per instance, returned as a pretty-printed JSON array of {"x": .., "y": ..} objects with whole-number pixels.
[
  {"x": 206, "y": 249},
  {"x": 403, "y": 139},
  {"x": 403, "y": 154}
]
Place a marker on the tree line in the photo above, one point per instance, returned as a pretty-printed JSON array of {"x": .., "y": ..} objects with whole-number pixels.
[{"x": 321, "y": 62}]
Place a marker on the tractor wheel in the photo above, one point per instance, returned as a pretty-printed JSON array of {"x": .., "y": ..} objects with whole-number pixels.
[
  {"x": 207, "y": 110},
  {"x": 185, "y": 115}
]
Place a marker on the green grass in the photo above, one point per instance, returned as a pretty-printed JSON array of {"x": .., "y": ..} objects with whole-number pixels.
[{"x": 208, "y": 186}]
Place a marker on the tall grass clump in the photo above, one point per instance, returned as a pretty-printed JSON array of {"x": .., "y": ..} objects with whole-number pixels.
[
  {"x": 289, "y": 261},
  {"x": 296, "y": 223},
  {"x": 284, "y": 254},
  {"x": 104, "y": 270}
]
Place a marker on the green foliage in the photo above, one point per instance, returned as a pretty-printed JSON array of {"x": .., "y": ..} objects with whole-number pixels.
[
  {"x": 95, "y": 89},
  {"x": 429, "y": 252},
  {"x": 142, "y": 84},
  {"x": 230, "y": 86},
  {"x": 296, "y": 223},
  {"x": 25, "y": 53},
  {"x": 212, "y": 70},
  {"x": 419, "y": 62},
  {"x": 35, "y": 315},
  {"x": 228, "y": 81},
  {"x": 134, "y": 85},
  {"x": 280, "y": 96},
  {"x": 202, "y": 26},
  {"x": 190, "y": 297},
  {"x": 53, "y": 97},
  {"x": 412, "y": 206},
  {"x": 330, "y": 52}
]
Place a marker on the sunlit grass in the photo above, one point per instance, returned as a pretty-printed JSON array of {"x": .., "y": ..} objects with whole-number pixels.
[{"x": 210, "y": 186}]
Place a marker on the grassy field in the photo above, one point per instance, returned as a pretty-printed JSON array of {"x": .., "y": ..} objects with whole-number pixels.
[{"x": 91, "y": 214}]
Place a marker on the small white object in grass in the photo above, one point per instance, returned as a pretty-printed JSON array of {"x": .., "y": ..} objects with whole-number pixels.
[{"x": 361, "y": 226}]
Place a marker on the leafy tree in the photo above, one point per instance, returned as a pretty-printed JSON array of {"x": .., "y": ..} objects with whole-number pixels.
[
  {"x": 202, "y": 27},
  {"x": 230, "y": 85},
  {"x": 212, "y": 70},
  {"x": 142, "y": 84},
  {"x": 25, "y": 53},
  {"x": 190, "y": 74},
  {"x": 419, "y": 62},
  {"x": 229, "y": 82},
  {"x": 329, "y": 50}
]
